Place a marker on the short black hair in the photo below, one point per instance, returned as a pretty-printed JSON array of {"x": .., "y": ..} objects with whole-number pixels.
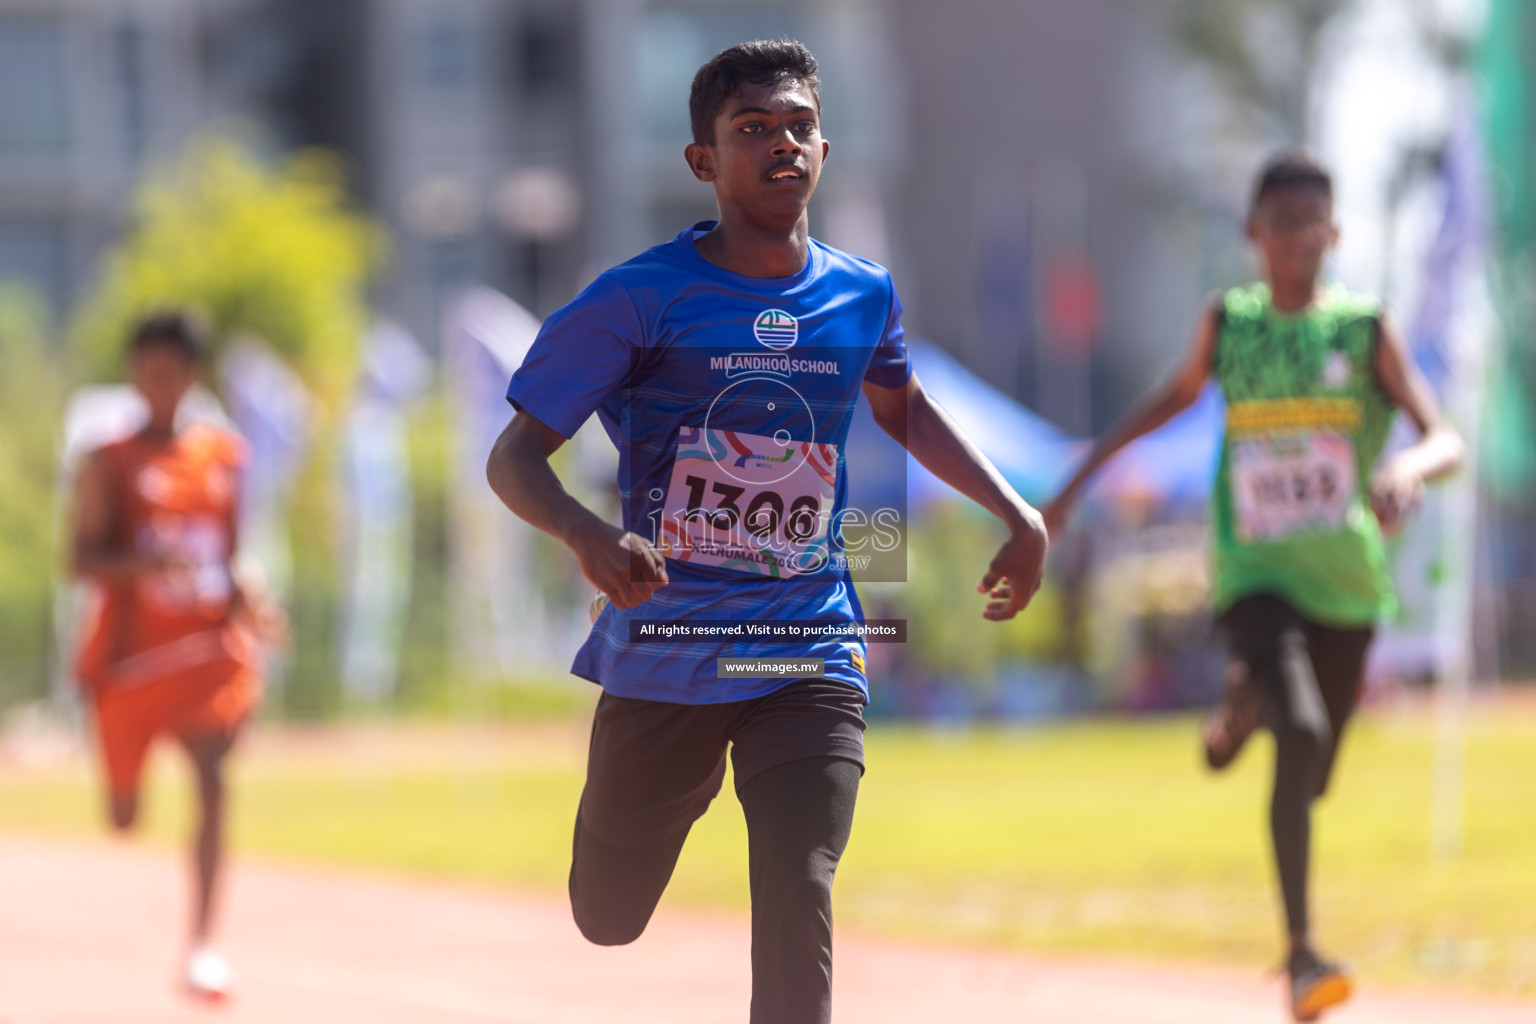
[
  {"x": 172, "y": 329},
  {"x": 759, "y": 62},
  {"x": 1291, "y": 169}
]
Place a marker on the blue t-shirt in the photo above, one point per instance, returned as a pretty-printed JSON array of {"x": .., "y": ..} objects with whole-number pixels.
[{"x": 729, "y": 399}]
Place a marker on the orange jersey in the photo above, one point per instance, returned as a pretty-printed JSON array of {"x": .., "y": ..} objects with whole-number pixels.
[{"x": 173, "y": 495}]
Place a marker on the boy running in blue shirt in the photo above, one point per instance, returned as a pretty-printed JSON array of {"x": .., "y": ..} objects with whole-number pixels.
[{"x": 725, "y": 365}]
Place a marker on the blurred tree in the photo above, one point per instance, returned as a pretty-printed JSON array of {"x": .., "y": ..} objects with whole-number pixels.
[
  {"x": 272, "y": 251},
  {"x": 32, "y": 386},
  {"x": 1266, "y": 52}
]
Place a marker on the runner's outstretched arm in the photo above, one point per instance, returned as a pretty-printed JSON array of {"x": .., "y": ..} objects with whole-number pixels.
[
  {"x": 1158, "y": 407},
  {"x": 622, "y": 565},
  {"x": 924, "y": 429},
  {"x": 1398, "y": 483}
]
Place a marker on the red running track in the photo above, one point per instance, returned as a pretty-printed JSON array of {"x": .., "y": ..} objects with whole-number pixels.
[{"x": 89, "y": 934}]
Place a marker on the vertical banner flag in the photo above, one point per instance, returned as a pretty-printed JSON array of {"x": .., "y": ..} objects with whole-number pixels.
[
  {"x": 376, "y": 528},
  {"x": 497, "y": 619}
]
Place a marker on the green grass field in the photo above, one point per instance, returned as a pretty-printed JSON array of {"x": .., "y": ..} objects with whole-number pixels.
[{"x": 1100, "y": 837}]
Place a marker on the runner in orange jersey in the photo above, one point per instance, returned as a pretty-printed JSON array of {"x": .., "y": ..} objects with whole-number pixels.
[{"x": 175, "y": 645}]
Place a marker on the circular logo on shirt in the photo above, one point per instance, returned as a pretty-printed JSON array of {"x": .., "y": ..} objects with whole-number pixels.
[{"x": 776, "y": 329}]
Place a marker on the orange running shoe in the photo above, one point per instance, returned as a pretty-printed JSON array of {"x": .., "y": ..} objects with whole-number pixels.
[{"x": 1316, "y": 984}]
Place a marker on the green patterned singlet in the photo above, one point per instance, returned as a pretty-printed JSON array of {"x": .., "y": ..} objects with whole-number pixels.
[{"x": 1306, "y": 421}]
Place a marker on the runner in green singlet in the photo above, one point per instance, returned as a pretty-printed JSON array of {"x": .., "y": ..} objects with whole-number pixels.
[{"x": 1312, "y": 376}]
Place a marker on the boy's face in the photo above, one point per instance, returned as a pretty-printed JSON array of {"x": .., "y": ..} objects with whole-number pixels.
[
  {"x": 1293, "y": 230},
  {"x": 767, "y": 154},
  {"x": 162, "y": 375}
]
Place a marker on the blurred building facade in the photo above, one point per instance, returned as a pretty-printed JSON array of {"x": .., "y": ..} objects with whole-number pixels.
[
  {"x": 95, "y": 90},
  {"x": 87, "y": 88},
  {"x": 1053, "y": 181},
  {"x": 1007, "y": 158}
]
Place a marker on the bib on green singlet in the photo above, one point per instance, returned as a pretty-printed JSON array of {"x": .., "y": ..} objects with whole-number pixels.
[{"x": 1289, "y": 484}]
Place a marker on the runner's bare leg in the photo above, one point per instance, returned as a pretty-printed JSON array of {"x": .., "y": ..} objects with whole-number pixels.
[{"x": 208, "y": 752}]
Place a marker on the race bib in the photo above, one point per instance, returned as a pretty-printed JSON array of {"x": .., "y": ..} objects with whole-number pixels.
[
  {"x": 749, "y": 503},
  {"x": 1294, "y": 483},
  {"x": 201, "y": 580}
]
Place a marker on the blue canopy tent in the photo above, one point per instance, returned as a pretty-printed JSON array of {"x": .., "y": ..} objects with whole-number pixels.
[
  {"x": 1174, "y": 464},
  {"x": 1032, "y": 454}
]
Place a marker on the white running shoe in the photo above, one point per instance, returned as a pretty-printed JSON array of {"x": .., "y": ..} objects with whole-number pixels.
[{"x": 207, "y": 976}]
